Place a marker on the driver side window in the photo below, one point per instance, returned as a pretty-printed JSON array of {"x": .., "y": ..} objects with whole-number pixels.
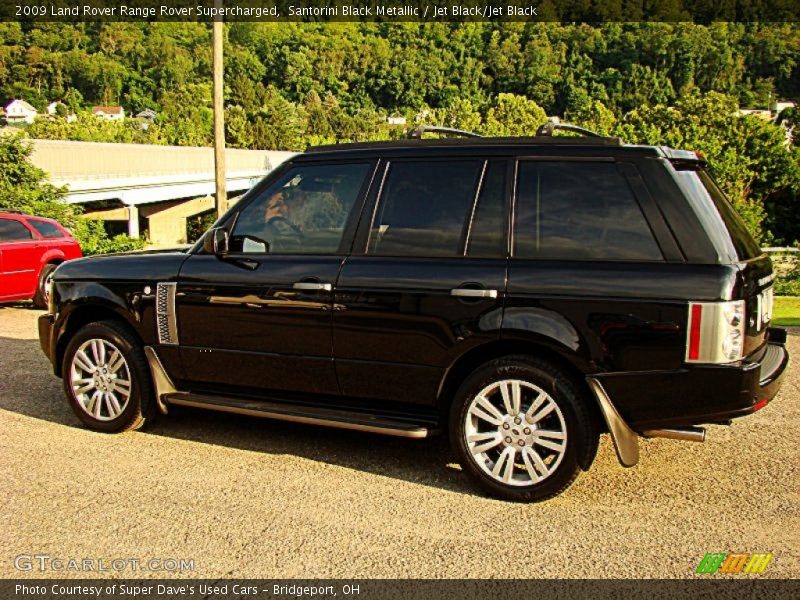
[{"x": 304, "y": 212}]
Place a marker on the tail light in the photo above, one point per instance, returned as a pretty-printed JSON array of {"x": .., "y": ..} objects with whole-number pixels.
[{"x": 715, "y": 332}]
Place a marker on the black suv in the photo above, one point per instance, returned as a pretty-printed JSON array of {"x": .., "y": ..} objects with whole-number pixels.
[{"x": 523, "y": 295}]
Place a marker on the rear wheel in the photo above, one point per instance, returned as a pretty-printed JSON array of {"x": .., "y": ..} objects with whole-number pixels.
[
  {"x": 106, "y": 378},
  {"x": 41, "y": 297},
  {"x": 521, "y": 429}
]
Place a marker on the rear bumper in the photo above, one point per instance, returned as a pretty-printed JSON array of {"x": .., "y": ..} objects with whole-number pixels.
[
  {"x": 700, "y": 394},
  {"x": 46, "y": 336}
]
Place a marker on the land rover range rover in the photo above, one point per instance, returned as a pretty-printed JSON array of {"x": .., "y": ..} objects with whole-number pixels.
[{"x": 523, "y": 295}]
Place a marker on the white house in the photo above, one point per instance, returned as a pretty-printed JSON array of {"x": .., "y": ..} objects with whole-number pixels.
[
  {"x": 19, "y": 111},
  {"x": 110, "y": 113},
  {"x": 52, "y": 108},
  {"x": 396, "y": 120}
]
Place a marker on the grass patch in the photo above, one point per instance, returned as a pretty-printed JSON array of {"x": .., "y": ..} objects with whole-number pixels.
[{"x": 787, "y": 311}]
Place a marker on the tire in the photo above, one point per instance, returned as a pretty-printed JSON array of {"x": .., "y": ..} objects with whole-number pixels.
[
  {"x": 112, "y": 346},
  {"x": 40, "y": 298},
  {"x": 508, "y": 454}
]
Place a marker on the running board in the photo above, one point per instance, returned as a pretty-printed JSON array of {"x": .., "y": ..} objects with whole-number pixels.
[{"x": 311, "y": 415}]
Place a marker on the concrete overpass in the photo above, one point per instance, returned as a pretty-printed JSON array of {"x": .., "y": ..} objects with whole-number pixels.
[{"x": 158, "y": 187}]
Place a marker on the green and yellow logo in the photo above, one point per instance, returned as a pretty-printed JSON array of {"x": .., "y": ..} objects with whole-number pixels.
[{"x": 743, "y": 562}]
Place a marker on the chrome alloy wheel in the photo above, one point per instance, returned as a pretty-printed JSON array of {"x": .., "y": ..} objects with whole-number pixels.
[
  {"x": 100, "y": 379},
  {"x": 515, "y": 432}
]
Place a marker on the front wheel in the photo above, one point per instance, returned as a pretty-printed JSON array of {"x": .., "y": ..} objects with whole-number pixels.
[
  {"x": 106, "y": 378},
  {"x": 521, "y": 429}
]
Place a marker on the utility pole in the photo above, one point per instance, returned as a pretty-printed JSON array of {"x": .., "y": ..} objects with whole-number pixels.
[{"x": 218, "y": 33}]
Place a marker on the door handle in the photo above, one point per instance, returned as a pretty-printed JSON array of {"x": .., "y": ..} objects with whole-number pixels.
[
  {"x": 312, "y": 286},
  {"x": 473, "y": 293}
]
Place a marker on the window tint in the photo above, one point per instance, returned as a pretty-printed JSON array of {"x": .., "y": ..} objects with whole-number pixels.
[
  {"x": 45, "y": 229},
  {"x": 13, "y": 230},
  {"x": 579, "y": 211},
  {"x": 424, "y": 208},
  {"x": 302, "y": 213},
  {"x": 487, "y": 235},
  {"x": 723, "y": 224}
]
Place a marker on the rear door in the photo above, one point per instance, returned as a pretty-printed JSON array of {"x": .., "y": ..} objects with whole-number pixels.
[
  {"x": 20, "y": 261},
  {"x": 588, "y": 277},
  {"x": 426, "y": 280}
]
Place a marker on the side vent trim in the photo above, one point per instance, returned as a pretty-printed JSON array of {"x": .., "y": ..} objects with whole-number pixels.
[{"x": 166, "y": 321}]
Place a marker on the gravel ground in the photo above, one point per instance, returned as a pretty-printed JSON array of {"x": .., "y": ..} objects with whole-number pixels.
[{"x": 254, "y": 498}]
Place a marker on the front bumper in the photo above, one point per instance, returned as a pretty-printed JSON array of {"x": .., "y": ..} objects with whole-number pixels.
[
  {"x": 47, "y": 337},
  {"x": 699, "y": 394}
]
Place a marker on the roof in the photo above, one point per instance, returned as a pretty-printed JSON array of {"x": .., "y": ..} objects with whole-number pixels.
[
  {"x": 109, "y": 110},
  {"x": 587, "y": 146},
  {"x": 21, "y": 216},
  {"x": 22, "y": 103}
]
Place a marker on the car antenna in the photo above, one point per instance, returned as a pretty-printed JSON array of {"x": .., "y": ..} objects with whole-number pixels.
[{"x": 420, "y": 130}]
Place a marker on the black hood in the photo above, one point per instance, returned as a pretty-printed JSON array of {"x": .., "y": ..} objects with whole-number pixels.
[{"x": 145, "y": 265}]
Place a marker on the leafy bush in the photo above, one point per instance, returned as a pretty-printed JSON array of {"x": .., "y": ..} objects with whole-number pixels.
[
  {"x": 24, "y": 187},
  {"x": 788, "y": 284}
]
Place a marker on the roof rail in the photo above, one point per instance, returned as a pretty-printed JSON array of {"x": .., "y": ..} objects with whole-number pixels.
[
  {"x": 548, "y": 128},
  {"x": 418, "y": 131}
]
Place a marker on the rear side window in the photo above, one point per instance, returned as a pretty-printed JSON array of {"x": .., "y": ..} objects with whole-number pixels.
[
  {"x": 720, "y": 220},
  {"x": 13, "y": 231},
  {"x": 46, "y": 230},
  {"x": 425, "y": 208},
  {"x": 573, "y": 210}
]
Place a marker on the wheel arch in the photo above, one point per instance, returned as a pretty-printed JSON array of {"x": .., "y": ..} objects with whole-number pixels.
[
  {"x": 480, "y": 355},
  {"x": 84, "y": 315},
  {"x": 52, "y": 257}
]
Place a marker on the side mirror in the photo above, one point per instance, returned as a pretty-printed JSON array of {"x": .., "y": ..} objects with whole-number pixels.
[{"x": 215, "y": 241}]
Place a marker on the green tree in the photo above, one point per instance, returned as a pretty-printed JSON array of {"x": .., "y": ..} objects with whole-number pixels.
[
  {"x": 513, "y": 115},
  {"x": 749, "y": 156}
]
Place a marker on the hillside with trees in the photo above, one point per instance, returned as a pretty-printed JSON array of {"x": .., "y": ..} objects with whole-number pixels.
[{"x": 289, "y": 85}]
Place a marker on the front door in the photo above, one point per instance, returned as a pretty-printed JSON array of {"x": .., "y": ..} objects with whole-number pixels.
[
  {"x": 259, "y": 318},
  {"x": 429, "y": 281}
]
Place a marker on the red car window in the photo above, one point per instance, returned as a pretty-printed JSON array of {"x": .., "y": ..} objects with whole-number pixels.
[
  {"x": 46, "y": 230},
  {"x": 11, "y": 230}
]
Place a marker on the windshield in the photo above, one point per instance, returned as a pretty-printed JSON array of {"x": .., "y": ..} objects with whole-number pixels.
[{"x": 726, "y": 228}]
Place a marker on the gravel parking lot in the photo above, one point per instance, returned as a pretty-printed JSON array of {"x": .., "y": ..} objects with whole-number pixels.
[{"x": 254, "y": 498}]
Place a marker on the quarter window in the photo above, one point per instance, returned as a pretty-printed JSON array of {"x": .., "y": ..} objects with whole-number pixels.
[
  {"x": 46, "y": 230},
  {"x": 579, "y": 211},
  {"x": 304, "y": 212},
  {"x": 13, "y": 230},
  {"x": 425, "y": 207}
]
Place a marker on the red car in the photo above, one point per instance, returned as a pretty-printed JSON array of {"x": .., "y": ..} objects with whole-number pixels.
[{"x": 30, "y": 250}]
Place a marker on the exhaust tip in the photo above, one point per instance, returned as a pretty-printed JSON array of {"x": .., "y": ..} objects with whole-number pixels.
[{"x": 686, "y": 434}]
